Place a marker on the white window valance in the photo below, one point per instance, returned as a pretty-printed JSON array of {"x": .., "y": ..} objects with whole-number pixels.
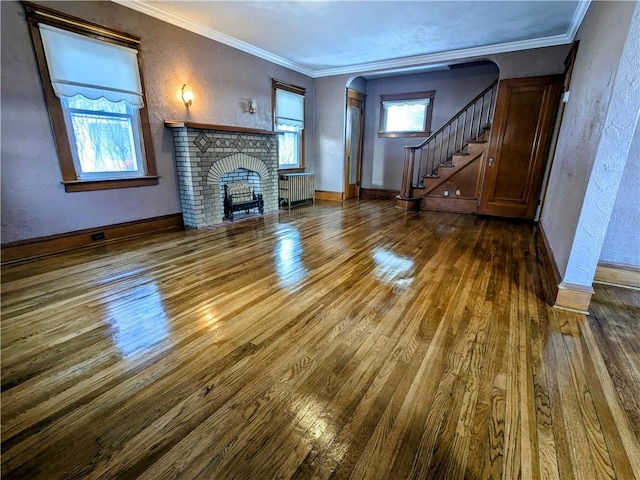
[
  {"x": 79, "y": 64},
  {"x": 399, "y": 103},
  {"x": 289, "y": 109}
]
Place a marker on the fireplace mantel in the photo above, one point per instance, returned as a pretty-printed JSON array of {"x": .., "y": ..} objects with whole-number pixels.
[{"x": 218, "y": 128}]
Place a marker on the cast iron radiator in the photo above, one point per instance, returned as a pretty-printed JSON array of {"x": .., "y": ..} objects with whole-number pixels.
[{"x": 296, "y": 188}]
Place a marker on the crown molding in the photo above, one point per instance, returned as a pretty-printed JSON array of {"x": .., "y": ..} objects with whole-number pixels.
[
  {"x": 398, "y": 63},
  {"x": 578, "y": 16},
  {"x": 169, "y": 17},
  {"x": 446, "y": 56}
]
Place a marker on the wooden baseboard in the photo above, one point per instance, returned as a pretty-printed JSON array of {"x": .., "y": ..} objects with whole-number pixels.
[
  {"x": 38, "y": 247},
  {"x": 551, "y": 273},
  {"x": 378, "y": 193},
  {"x": 449, "y": 204},
  {"x": 618, "y": 274},
  {"x": 573, "y": 297},
  {"x": 325, "y": 195},
  {"x": 560, "y": 294}
]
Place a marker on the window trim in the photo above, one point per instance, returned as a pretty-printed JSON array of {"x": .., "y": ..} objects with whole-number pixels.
[
  {"x": 382, "y": 133},
  {"x": 280, "y": 85},
  {"x": 72, "y": 182}
]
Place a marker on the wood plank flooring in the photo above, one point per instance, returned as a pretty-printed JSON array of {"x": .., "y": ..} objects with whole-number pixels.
[{"x": 335, "y": 341}]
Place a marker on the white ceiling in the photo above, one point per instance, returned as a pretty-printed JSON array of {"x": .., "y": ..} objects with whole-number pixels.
[{"x": 321, "y": 38}]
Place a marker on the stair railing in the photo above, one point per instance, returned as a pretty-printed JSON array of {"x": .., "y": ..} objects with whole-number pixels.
[{"x": 452, "y": 137}]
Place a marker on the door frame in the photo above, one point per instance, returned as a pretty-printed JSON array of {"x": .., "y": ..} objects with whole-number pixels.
[{"x": 353, "y": 96}]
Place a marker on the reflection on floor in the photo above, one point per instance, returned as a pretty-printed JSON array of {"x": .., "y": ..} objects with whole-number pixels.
[{"x": 332, "y": 341}]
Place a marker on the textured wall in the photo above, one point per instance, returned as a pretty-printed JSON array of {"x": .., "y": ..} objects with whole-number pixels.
[
  {"x": 622, "y": 242},
  {"x": 602, "y": 36},
  {"x": 531, "y": 63},
  {"x": 331, "y": 97},
  {"x": 34, "y": 202},
  {"x": 609, "y": 163},
  {"x": 383, "y": 157}
]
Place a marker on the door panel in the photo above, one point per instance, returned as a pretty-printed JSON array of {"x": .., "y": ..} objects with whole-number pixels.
[
  {"x": 353, "y": 147},
  {"x": 519, "y": 144}
]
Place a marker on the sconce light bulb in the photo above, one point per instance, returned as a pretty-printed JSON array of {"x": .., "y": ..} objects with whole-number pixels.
[
  {"x": 253, "y": 106},
  {"x": 187, "y": 95}
]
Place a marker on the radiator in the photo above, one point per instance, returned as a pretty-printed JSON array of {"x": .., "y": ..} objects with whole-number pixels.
[{"x": 297, "y": 188}]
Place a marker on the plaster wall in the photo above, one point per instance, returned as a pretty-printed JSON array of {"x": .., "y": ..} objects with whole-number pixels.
[
  {"x": 331, "y": 97},
  {"x": 359, "y": 84},
  {"x": 602, "y": 38},
  {"x": 622, "y": 241},
  {"x": 34, "y": 202},
  {"x": 383, "y": 157}
]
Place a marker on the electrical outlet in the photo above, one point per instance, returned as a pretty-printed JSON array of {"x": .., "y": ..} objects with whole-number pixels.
[
  {"x": 446, "y": 193},
  {"x": 458, "y": 193}
]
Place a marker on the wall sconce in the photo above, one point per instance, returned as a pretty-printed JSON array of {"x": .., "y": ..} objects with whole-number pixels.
[
  {"x": 187, "y": 95},
  {"x": 252, "y": 106}
]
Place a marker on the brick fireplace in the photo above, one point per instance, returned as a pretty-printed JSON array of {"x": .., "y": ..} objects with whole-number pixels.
[{"x": 208, "y": 156}]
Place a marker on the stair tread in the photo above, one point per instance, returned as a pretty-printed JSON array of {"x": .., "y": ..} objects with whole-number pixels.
[{"x": 477, "y": 141}]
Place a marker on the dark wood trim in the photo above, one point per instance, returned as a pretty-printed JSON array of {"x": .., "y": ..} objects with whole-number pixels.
[
  {"x": 332, "y": 196},
  {"x": 402, "y": 134},
  {"x": 150, "y": 169},
  {"x": 37, "y": 14},
  {"x": 54, "y": 107},
  {"x": 289, "y": 87},
  {"x": 280, "y": 85},
  {"x": 551, "y": 275},
  {"x": 354, "y": 99},
  {"x": 89, "y": 185},
  {"x": 51, "y": 244},
  {"x": 356, "y": 95},
  {"x": 378, "y": 193},
  {"x": 219, "y": 128},
  {"x": 284, "y": 171}
]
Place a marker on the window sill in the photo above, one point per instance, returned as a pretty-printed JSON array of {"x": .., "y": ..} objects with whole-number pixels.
[
  {"x": 402, "y": 134},
  {"x": 108, "y": 184},
  {"x": 282, "y": 171}
]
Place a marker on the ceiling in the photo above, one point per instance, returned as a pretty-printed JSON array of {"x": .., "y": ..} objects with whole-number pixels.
[{"x": 321, "y": 38}]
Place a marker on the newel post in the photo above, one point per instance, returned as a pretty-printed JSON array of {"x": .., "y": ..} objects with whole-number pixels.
[{"x": 406, "y": 200}]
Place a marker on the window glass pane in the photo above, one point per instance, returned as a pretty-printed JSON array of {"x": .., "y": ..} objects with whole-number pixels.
[
  {"x": 106, "y": 136},
  {"x": 405, "y": 118},
  {"x": 288, "y": 146}
]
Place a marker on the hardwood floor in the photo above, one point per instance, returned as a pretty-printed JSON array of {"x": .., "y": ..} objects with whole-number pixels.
[{"x": 335, "y": 341}]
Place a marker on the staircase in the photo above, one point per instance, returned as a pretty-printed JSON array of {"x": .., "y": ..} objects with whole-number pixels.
[{"x": 446, "y": 153}]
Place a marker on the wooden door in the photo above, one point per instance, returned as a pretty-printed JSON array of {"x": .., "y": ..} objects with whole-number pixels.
[
  {"x": 519, "y": 145},
  {"x": 353, "y": 144}
]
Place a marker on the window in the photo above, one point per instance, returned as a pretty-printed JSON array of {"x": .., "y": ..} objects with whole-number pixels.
[
  {"x": 406, "y": 115},
  {"x": 94, "y": 92},
  {"x": 288, "y": 118}
]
